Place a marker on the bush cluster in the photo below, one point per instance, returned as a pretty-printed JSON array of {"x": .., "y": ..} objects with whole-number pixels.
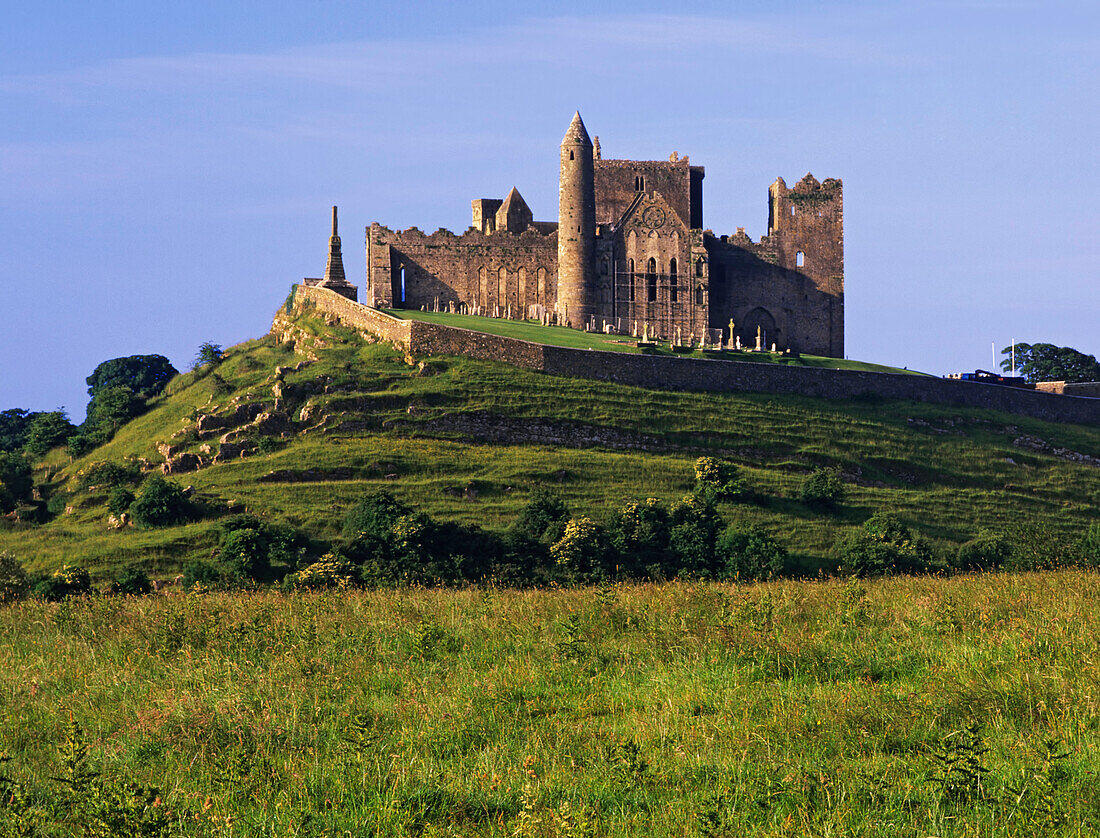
[
  {"x": 883, "y": 546},
  {"x": 251, "y": 550},
  {"x": 161, "y": 503},
  {"x": 387, "y": 542},
  {"x": 823, "y": 488}
]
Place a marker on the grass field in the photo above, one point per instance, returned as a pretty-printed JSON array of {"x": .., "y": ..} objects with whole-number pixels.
[
  {"x": 913, "y": 707},
  {"x": 575, "y": 339},
  {"x": 947, "y": 472}
]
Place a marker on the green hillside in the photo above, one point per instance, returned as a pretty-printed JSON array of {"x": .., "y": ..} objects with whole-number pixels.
[{"x": 468, "y": 441}]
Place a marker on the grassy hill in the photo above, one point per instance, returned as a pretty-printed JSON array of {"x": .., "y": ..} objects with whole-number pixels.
[{"x": 468, "y": 441}]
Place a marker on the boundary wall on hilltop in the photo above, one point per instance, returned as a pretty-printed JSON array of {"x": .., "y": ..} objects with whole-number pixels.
[{"x": 662, "y": 372}]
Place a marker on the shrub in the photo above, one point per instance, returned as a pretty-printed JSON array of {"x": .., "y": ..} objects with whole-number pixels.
[
  {"x": 201, "y": 574},
  {"x": 639, "y": 532},
  {"x": 720, "y": 478},
  {"x": 581, "y": 551},
  {"x": 823, "y": 488},
  {"x": 209, "y": 353},
  {"x": 132, "y": 582},
  {"x": 107, "y": 475},
  {"x": 14, "y": 582},
  {"x": 161, "y": 503},
  {"x": 57, "y": 502},
  {"x": 329, "y": 571},
  {"x": 119, "y": 500},
  {"x": 64, "y": 583},
  {"x": 986, "y": 552},
  {"x": 884, "y": 545},
  {"x": 374, "y": 516},
  {"x": 1090, "y": 546},
  {"x": 1040, "y": 547},
  {"x": 545, "y": 514},
  {"x": 692, "y": 535},
  {"x": 748, "y": 552},
  {"x": 244, "y": 554}
]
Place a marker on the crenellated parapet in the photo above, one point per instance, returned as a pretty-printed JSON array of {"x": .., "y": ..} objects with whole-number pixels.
[{"x": 538, "y": 234}]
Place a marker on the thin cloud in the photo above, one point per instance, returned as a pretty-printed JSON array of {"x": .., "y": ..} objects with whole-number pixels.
[{"x": 555, "y": 41}]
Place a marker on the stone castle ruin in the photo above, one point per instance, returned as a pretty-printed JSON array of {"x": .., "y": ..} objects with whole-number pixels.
[{"x": 628, "y": 254}]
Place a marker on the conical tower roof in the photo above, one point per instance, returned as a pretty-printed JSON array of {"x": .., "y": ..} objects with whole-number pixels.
[{"x": 577, "y": 133}]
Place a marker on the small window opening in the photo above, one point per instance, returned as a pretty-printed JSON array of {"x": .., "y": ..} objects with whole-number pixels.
[
  {"x": 570, "y": 155},
  {"x": 402, "y": 283},
  {"x": 792, "y": 210},
  {"x": 799, "y": 259},
  {"x": 699, "y": 267},
  {"x": 651, "y": 281},
  {"x": 699, "y": 296},
  {"x": 673, "y": 291}
]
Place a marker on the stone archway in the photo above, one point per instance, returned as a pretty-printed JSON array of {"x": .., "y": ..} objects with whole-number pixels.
[{"x": 758, "y": 318}]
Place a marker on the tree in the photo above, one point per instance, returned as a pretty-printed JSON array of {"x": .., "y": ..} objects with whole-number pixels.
[
  {"x": 1047, "y": 362},
  {"x": 146, "y": 376},
  {"x": 48, "y": 430},
  {"x": 13, "y": 428},
  {"x": 16, "y": 480},
  {"x": 109, "y": 410},
  {"x": 209, "y": 353}
]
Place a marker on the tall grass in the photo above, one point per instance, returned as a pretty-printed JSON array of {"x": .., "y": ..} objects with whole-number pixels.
[{"x": 793, "y": 708}]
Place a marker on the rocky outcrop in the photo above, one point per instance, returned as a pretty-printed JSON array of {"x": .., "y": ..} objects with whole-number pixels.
[
  {"x": 1041, "y": 446},
  {"x": 183, "y": 463}
]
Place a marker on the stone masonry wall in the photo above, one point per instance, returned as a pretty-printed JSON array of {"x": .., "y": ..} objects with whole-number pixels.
[
  {"x": 496, "y": 269},
  {"x": 662, "y": 372},
  {"x": 356, "y": 315}
]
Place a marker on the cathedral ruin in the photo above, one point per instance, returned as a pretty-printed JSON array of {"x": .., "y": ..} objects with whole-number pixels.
[{"x": 629, "y": 247}]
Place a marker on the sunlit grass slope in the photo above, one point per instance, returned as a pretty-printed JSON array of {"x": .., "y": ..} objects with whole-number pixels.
[{"x": 948, "y": 472}]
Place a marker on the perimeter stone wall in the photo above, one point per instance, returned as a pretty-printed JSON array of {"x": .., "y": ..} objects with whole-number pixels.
[{"x": 662, "y": 372}]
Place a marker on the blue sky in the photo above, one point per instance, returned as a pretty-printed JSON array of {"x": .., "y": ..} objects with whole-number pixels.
[{"x": 167, "y": 173}]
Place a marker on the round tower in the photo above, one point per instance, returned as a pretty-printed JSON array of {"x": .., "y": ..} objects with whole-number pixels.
[{"x": 576, "y": 227}]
